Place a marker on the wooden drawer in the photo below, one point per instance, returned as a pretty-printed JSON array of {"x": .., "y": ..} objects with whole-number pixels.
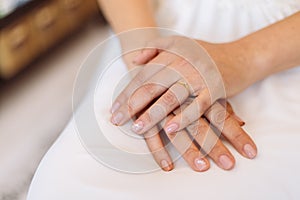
[
  {"x": 17, "y": 47},
  {"x": 47, "y": 25},
  {"x": 76, "y": 11},
  {"x": 40, "y": 29}
]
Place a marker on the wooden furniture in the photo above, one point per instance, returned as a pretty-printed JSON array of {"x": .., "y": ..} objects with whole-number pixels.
[{"x": 36, "y": 27}]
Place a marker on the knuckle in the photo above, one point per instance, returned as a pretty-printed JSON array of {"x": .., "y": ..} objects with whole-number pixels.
[
  {"x": 169, "y": 99},
  {"x": 193, "y": 129},
  {"x": 149, "y": 88},
  {"x": 198, "y": 128},
  {"x": 157, "y": 112},
  {"x": 220, "y": 117}
]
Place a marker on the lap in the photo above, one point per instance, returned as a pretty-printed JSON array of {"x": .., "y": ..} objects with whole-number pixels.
[{"x": 271, "y": 112}]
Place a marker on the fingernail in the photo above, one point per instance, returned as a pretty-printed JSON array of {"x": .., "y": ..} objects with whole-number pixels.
[
  {"x": 200, "y": 164},
  {"x": 241, "y": 122},
  {"x": 165, "y": 165},
  {"x": 171, "y": 128},
  {"x": 116, "y": 119},
  {"x": 115, "y": 107},
  {"x": 137, "y": 126},
  {"x": 226, "y": 162},
  {"x": 250, "y": 151}
]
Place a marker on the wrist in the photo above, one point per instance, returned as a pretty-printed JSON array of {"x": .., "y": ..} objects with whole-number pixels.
[
  {"x": 260, "y": 61},
  {"x": 235, "y": 64}
]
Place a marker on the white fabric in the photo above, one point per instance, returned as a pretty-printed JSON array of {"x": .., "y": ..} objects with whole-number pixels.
[{"x": 270, "y": 109}]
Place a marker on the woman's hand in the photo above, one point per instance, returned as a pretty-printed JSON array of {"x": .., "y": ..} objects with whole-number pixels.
[
  {"x": 226, "y": 121},
  {"x": 176, "y": 68},
  {"x": 206, "y": 137}
]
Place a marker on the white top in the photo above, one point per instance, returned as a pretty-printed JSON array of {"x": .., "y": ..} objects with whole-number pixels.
[
  {"x": 222, "y": 20},
  {"x": 270, "y": 108}
]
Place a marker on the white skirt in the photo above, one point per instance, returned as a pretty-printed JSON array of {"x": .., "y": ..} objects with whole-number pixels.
[{"x": 270, "y": 108}]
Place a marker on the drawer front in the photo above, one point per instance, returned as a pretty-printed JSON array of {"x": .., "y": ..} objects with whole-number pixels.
[
  {"x": 17, "y": 47},
  {"x": 39, "y": 30}
]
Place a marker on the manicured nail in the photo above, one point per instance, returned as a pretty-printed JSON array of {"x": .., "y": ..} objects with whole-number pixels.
[
  {"x": 226, "y": 162},
  {"x": 165, "y": 165},
  {"x": 240, "y": 121},
  {"x": 200, "y": 164},
  {"x": 115, "y": 107},
  {"x": 171, "y": 128},
  {"x": 137, "y": 126},
  {"x": 250, "y": 151},
  {"x": 116, "y": 119}
]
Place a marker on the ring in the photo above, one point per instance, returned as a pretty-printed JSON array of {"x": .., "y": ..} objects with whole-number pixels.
[{"x": 184, "y": 84}]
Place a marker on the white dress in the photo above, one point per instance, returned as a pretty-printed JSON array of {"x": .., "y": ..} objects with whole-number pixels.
[{"x": 270, "y": 108}]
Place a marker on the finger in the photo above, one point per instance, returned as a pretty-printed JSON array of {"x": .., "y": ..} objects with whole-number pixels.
[
  {"x": 190, "y": 114},
  {"x": 151, "y": 89},
  {"x": 156, "y": 147},
  {"x": 170, "y": 100},
  {"x": 231, "y": 129},
  {"x": 211, "y": 144},
  {"x": 146, "y": 72},
  {"x": 145, "y": 55},
  {"x": 151, "y": 49},
  {"x": 151, "y": 68},
  {"x": 145, "y": 94},
  {"x": 230, "y": 110},
  {"x": 188, "y": 150}
]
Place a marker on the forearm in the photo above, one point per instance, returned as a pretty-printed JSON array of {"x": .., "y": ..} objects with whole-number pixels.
[
  {"x": 274, "y": 48},
  {"x": 258, "y": 55},
  {"x": 124, "y": 15}
]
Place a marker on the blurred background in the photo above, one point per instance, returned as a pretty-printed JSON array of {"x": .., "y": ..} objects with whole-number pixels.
[{"x": 42, "y": 44}]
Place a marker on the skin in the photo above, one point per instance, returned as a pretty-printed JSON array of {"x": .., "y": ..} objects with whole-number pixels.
[{"x": 241, "y": 64}]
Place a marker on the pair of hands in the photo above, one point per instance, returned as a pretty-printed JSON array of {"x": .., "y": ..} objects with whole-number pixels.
[{"x": 181, "y": 89}]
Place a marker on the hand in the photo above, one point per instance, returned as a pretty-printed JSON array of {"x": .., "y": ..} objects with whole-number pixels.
[
  {"x": 173, "y": 79},
  {"x": 210, "y": 143},
  {"x": 213, "y": 147}
]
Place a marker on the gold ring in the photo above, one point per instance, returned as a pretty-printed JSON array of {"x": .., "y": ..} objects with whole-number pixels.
[{"x": 184, "y": 84}]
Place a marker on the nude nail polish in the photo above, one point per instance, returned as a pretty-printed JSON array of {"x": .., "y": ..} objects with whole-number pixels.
[
  {"x": 225, "y": 162},
  {"x": 115, "y": 107},
  {"x": 165, "y": 165},
  {"x": 116, "y": 119},
  {"x": 137, "y": 126},
  {"x": 171, "y": 128},
  {"x": 249, "y": 151},
  {"x": 200, "y": 164}
]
